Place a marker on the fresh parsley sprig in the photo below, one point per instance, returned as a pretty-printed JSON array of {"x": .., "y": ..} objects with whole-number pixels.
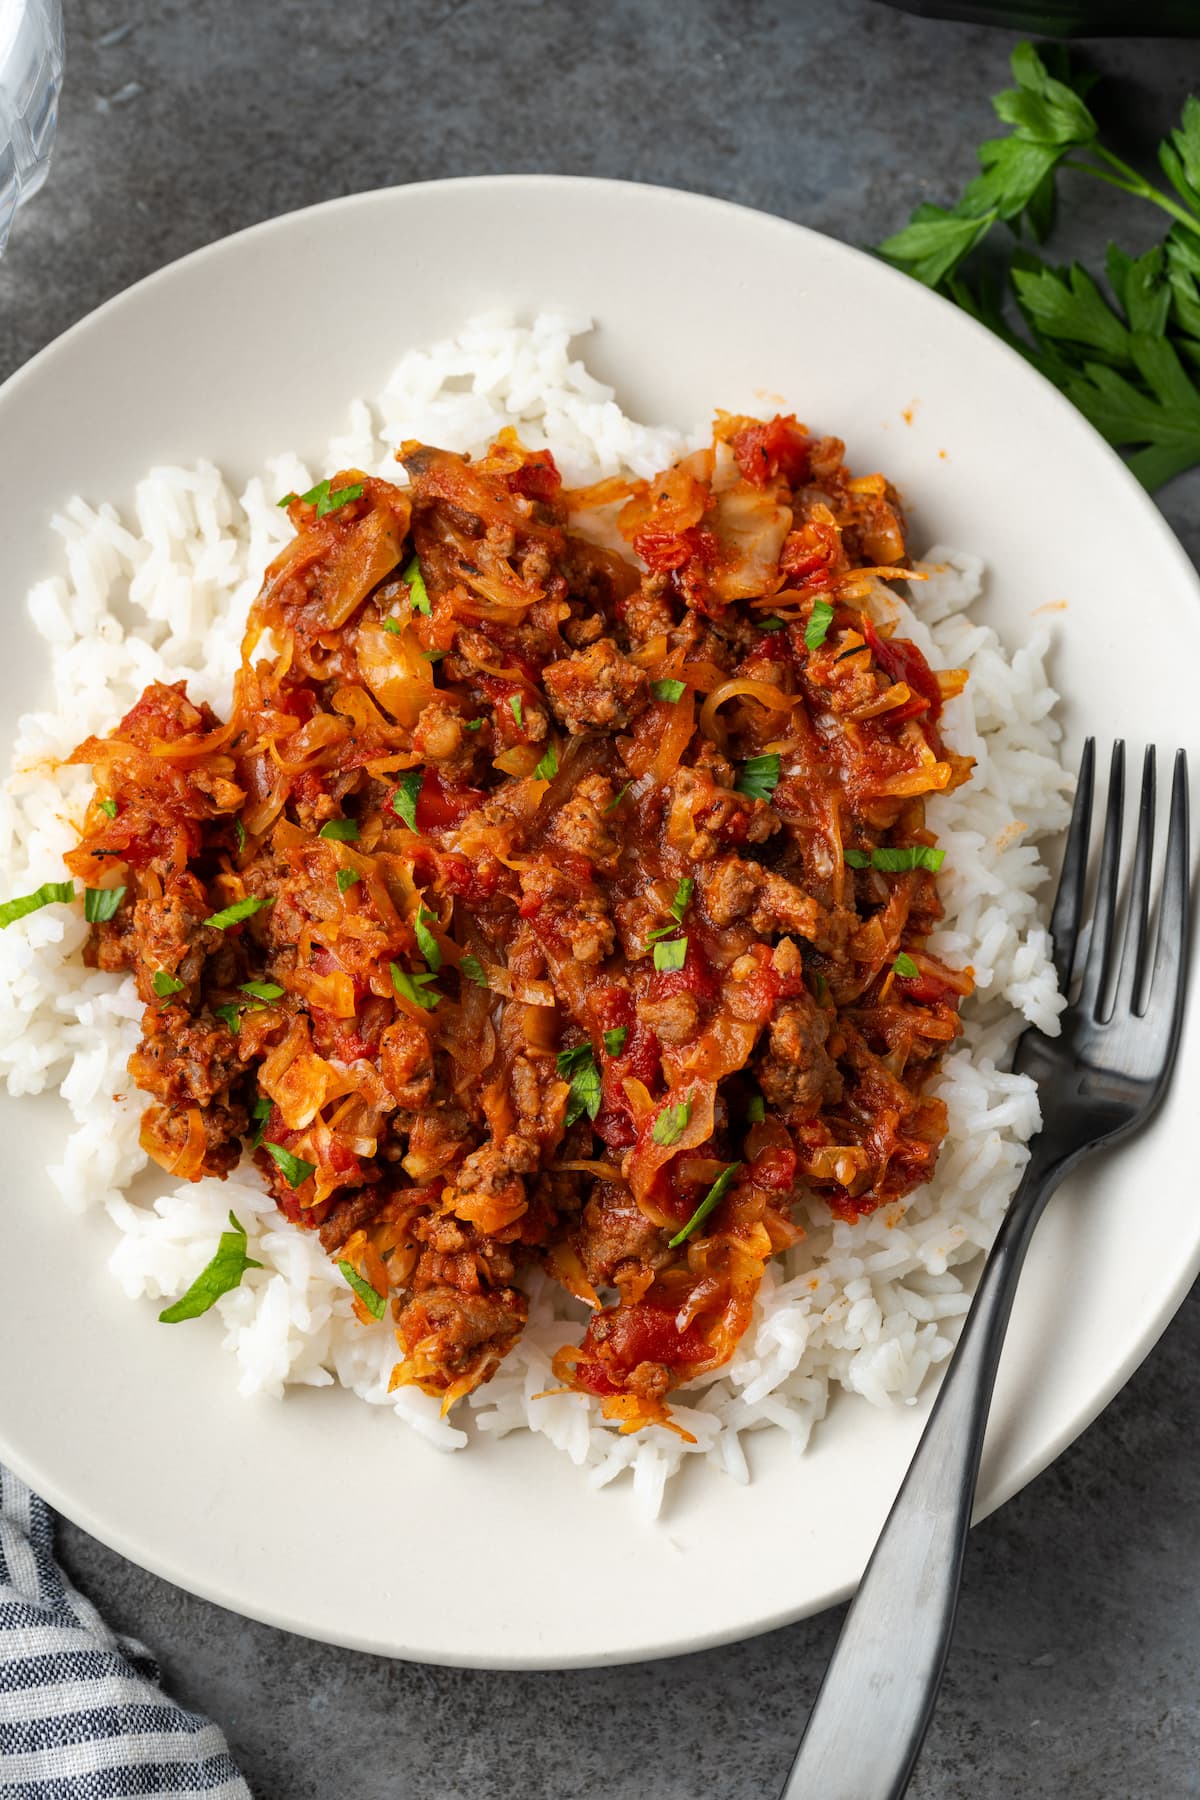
[{"x": 1126, "y": 352}]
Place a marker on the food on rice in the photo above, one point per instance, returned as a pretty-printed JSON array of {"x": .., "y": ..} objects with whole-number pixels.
[{"x": 578, "y": 922}]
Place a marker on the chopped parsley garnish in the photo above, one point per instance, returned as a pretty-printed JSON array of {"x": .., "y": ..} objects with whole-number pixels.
[
  {"x": 415, "y": 988},
  {"x": 418, "y": 592},
  {"x": 473, "y": 725},
  {"x": 756, "y": 1109},
  {"x": 100, "y": 904},
  {"x": 679, "y": 906},
  {"x": 683, "y": 897},
  {"x": 239, "y": 835},
  {"x": 49, "y": 894},
  {"x": 109, "y": 807},
  {"x": 262, "y": 990},
  {"x": 165, "y": 984},
  {"x": 896, "y": 860},
  {"x": 393, "y": 627},
  {"x": 905, "y": 966},
  {"x": 671, "y": 1122},
  {"x": 287, "y": 499},
  {"x": 346, "y": 878},
  {"x": 711, "y": 1200},
  {"x": 819, "y": 621},
  {"x": 774, "y": 623},
  {"x": 326, "y": 502},
  {"x": 342, "y": 831},
  {"x": 759, "y": 777},
  {"x": 427, "y": 944},
  {"x": 472, "y": 968},
  {"x": 240, "y": 910},
  {"x": 578, "y": 1065},
  {"x": 260, "y": 1112},
  {"x": 295, "y": 1170},
  {"x": 404, "y": 800},
  {"x": 547, "y": 768},
  {"x": 614, "y": 1040},
  {"x": 514, "y": 702},
  {"x": 230, "y": 1015},
  {"x": 221, "y": 1276},
  {"x": 668, "y": 690},
  {"x": 617, "y": 799},
  {"x": 433, "y": 656},
  {"x": 372, "y": 1299},
  {"x": 670, "y": 954}
]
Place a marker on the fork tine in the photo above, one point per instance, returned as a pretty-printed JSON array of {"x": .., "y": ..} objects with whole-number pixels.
[
  {"x": 1134, "y": 948},
  {"x": 1099, "y": 958},
  {"x": 1170, "y": 961},
  {"x": 1068, "y": 902}
]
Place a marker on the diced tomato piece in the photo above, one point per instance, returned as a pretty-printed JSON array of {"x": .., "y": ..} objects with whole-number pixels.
[
  {"x": 764, "y": 451},
  {"x": 902, "y": 660},
  {"x": 442, "y": 804}
]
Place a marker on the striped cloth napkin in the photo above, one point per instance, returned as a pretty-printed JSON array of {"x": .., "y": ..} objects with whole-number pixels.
[{"x": 82, "y": 1715}]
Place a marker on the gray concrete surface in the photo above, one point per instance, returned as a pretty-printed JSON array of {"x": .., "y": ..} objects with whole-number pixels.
[{"x": 1076, "y": 1665}]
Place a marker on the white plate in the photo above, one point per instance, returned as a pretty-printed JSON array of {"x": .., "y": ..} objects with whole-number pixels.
[{"x": 324, "y": 1515}]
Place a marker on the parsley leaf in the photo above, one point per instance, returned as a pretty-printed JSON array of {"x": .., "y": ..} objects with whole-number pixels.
[
  {"x": 230, "y": 1016},
  {"x": 668, "y": 690},
  {"x": 472, "y": 968},
  {"x": 393, "y": 627},
  {"x": 417, "y": 591},
  {"x": 404, "y": 800},
  {"x": 1128, "y": 358},
  {"x": 514, "y": 702},
  {"x": 49, "y": 894},
  {"x": 260, "y": 1112},
  {"x": 101, "y": 904},
  {"x": 905, "y": 966},
  {"x": 474, "y": 725},
  {"x": 711, "y": 1200},
  {"x": 165, "y": 984},
  {"x": 109, "y": 807},
  {"x": 372, "y": 1299},
  {"x": 671, "y": 1122},
  {"x": 856, "y": 859},
  {"x": 578, "y": 1065},
  {"x": 427, "y": 944},
  {"x": 899, "y": 858},
  {"x": 221, "y": 1276},
  {"x": 415, "y": 988},
  {"x": 671, "y": 954},
  {"x": 262, "y": 990},
  {"x": 340, "y": 831},
  {"x": 324, "y": 501},
  {"x": 817, "y": 629},
  {"x": 347, "y": 878},
  {"x": 295, "y": 1170},
  {"x": 547, "y": 768},
  {"x": 235, "y": 914},
  {"x": 614, "y": 1040},
  {"x": 759, "y": 777},
  {"x": 756, "y": 1109},
  {"x": 774, "y": 623}
]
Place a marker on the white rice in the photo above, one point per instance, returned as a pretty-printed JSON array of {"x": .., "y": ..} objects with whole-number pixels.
[{"x": 163, "y": 595}]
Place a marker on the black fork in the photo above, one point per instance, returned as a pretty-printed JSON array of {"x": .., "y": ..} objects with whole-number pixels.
[{"x": 1098, "y": 1081}]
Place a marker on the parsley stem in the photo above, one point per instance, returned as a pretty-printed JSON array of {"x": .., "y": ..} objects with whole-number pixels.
[{"x": 1130, "y": 182}]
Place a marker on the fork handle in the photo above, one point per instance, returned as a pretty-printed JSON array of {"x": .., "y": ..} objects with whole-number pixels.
[{"x": 875, "y": 1703}]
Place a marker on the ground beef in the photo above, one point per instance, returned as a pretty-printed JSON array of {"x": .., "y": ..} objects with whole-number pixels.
[{"x": 597, "y": 687}]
